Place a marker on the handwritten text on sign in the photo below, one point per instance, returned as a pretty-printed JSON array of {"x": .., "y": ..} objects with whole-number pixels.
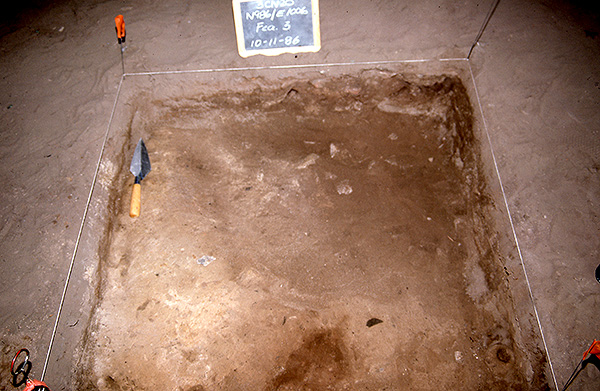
[{"x": 273, "y": 27}]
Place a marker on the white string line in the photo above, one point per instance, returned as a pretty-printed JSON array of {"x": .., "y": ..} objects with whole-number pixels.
[
  {"x": 81, "y": 226},
  {"x": 512, "y": 227},
  {"x": 322, "y": 65}
]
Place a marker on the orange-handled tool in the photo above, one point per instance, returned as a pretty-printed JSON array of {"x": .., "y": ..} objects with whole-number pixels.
[
  {"x": 120, "y": 28},
  {"x": 140, "y": 167},
  {"x": 594, "y": 349},
  {"x": 594, "y": 358}
]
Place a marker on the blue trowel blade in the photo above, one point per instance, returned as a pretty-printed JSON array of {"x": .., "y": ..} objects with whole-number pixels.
[{"x": 140, "y": 163}]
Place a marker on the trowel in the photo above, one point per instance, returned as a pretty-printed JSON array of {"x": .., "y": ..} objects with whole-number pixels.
[{"x": 140, "y": 167}]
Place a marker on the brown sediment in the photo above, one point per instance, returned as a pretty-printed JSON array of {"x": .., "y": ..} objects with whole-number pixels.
[{"x": 327, "y": 203}]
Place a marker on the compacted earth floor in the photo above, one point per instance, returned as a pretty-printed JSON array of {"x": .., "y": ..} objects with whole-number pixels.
[{"x": 329, "y": 233}]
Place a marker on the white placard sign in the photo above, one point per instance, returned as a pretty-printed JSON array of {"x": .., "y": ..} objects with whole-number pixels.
[{"x": 273, "y": 27}]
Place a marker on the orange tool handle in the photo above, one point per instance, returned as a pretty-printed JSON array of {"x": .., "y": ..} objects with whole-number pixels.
[
  {"x": 594, "y": 349},
  {"x": 136, "y": 200},
  {"x": 120, "y": 27}
]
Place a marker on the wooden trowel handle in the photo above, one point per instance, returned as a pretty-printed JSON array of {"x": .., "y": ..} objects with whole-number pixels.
[{"x": 136, "y": 200}]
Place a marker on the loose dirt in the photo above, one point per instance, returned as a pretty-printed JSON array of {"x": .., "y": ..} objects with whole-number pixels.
[{"x": 306, "y": 235}]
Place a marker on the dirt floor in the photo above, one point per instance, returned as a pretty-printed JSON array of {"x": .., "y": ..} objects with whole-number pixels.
[
  {"x": 314, "y": 234},
  {"x": 533, "y": 83}
]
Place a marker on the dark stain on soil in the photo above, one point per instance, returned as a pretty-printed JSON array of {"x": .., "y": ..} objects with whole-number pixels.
[
  {"x": 324, "y": 201},
  {"x": 319, "y": 363}
]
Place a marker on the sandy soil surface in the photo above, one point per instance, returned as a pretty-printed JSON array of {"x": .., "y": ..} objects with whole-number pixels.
[
  {"x": 61, "y": 71},
  {"x": 349, "y": 246},
  {"x": 545, "y": 123}
]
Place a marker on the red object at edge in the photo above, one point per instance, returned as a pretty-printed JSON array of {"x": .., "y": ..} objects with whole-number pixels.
[
  {"x": 594, "y": 349},
  {"x": 32, "y": 384}
]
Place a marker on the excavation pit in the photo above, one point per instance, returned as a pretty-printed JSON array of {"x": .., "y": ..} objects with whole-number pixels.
[{"x": 330, "y": 232}]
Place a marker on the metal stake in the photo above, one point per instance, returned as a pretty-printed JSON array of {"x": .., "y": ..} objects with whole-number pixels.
[{"x": 122, "y": 62}]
